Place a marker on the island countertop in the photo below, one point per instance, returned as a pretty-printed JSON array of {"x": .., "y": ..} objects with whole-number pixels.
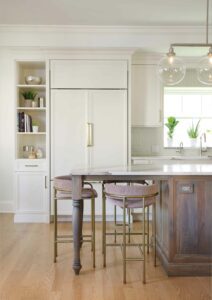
[{"x": 153, "y": 169}]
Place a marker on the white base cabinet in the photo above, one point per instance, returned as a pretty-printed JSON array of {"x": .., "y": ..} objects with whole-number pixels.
[
  {"x": 32, "y": 197},
  {"x": 31, "y": 191}
]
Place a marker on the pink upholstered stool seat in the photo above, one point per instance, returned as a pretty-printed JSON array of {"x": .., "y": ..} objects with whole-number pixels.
[
  {"x": 115, "y": 194},
  {"x": 63, "y": 185}
]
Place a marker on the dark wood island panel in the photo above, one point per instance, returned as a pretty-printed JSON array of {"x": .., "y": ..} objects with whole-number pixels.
[{"x": 184, "y": 225}]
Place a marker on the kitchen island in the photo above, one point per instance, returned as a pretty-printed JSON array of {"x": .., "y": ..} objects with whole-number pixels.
[{"x": 184, "y": 213}]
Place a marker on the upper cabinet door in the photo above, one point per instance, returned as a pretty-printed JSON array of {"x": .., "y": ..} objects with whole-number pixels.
[
  {"x": 146, "y": 96},
  {"x": 89, "y": 74}
]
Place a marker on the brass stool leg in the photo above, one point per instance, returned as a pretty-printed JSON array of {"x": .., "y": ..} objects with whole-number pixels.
[
  {"x": 144, "y": 254},
  {"x": 93, "y": 229},
  {"x": 124, "y": 243},
  {"x": 102, "y": 218},
  {"x": 128, "y": 211},
  {"x": 148, "y": 229},
  {"x": 115, "y": 223},
  {"x": 55, "y": 226},
  {"x": 92, "y": 224},
  {"x": 104, "y": 230},
  {"x": 155, "y": 251}
]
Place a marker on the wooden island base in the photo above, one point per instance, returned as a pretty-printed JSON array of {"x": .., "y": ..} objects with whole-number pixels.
[{"x": 184, "y": 225}]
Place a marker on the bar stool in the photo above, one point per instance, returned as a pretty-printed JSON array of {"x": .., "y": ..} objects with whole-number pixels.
[
  {"x": 117, "y": 224},
  {"x": 125, "y": 197},
  {"x": 63, "y": 191}
]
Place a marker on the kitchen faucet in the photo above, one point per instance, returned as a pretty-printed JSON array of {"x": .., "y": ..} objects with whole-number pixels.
[
  {"x": 203, "y": 149},
  {"x": 180, "y": 148}
]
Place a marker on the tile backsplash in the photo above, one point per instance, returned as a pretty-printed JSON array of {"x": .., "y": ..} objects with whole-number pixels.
[{"x": 149, "y": 142}]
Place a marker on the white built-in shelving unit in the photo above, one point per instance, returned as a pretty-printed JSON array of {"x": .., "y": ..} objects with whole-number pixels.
[{"x": 31, "y": 174}]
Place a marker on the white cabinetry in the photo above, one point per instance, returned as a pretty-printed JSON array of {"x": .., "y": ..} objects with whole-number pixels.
[
  {"x": 31, "y": 151},
  {"x": 102, "y": 74},
  {"x": 89, "y": 129},
  {"x": 88, "y": 118},
  {"x": 146, "y": 96},
  {"x": 32, "y": 195}
]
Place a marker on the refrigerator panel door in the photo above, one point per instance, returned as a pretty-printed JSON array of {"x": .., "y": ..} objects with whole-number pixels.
[{"x": 68, "y": 131}]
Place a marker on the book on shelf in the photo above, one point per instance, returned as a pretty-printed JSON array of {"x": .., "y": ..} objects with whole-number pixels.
[{"x": 24, "y": 122}]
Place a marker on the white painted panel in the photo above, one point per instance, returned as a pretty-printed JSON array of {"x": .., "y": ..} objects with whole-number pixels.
[
  {"x": 68, "y": 131},
  {"x": 88, "y": 74},
  {"x": 108, "y": 114},
  {"x": 146, "y": 96},
  {"x": 31, "y": 192}
]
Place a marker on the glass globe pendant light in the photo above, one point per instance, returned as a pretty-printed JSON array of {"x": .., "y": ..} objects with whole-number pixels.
[
  {"x": 204, "y": 69},
  {"x": 171, "y": 69}
]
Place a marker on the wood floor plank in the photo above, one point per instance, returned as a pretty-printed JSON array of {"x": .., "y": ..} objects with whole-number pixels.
[{"x": 27, "y": 271}]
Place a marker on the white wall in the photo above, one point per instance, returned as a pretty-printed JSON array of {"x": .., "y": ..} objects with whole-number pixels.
[{"x": 6, "y": 132}]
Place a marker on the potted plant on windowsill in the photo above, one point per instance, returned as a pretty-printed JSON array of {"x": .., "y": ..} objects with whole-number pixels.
[
  {"x": 193, "y": 133},
  {"x": 29, "y": 98},
  {"x": 171, "y": 124}
]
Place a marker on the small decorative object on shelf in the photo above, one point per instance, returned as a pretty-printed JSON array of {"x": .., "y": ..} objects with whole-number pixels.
[
  {"x": 41, "y": 102},
  {"x": 34, "y": 103},
  {"x": 39, "y": 153},
  {"x": 32, "y": 155},
  {"x": 29, "y": 96},
  {"x": 35, "y": 127},
  {"x": 33, "y": 79},
  {"x": 27, "y": 149}
]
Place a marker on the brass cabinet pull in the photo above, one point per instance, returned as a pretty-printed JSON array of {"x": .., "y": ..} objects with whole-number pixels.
[
  {"x": 45, "y": 182},
  {"x": 89, "y": 134},
  {"x": 160, "y": 115},
  {"x": 31, "y": 166}
]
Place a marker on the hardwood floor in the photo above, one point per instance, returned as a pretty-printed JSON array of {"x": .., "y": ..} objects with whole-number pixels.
[{"x": 27, "y": 271}]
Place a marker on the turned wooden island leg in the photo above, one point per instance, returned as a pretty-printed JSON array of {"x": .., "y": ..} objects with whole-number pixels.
[{"x": 77, "y": 220}]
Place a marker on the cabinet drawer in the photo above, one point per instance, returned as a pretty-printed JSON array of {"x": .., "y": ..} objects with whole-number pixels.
[
  {"x": 30, "y": 165},
  {"x": 141, "y": 161},
  {"x": 89, "y": 74}
]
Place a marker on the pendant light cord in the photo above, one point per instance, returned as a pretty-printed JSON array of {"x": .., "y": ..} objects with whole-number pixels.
[{"x": 207, "y": 20}]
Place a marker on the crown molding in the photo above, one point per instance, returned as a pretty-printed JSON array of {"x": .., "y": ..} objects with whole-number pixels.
[
  {"x": 145, "y": 38},
  {"x": 103, "y": 29}
]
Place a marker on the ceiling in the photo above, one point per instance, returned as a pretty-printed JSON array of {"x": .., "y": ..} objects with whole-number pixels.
[{"x": 107, "y": 12}]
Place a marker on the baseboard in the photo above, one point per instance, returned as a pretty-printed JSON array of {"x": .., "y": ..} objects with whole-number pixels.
[
  {"x": 31, "y": 218},
  {"x": 6, "y": 206},
  {"x": 183, "y": 269}
]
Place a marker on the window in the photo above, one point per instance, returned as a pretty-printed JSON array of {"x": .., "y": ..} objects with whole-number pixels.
[{"x": 188, "y": 105}]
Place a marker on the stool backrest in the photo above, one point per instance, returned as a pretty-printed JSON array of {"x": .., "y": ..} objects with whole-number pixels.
[
  {"x": 134, "y": 191},
  {"x": 63, "y": 183}
]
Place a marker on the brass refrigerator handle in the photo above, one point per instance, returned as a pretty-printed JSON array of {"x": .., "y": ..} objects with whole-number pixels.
[
  {"x": 45, "y": 182},
  {"x": 89, "y": 134}
]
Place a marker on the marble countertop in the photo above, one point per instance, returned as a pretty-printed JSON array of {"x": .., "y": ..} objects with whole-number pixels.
[
  {"x": 174, "y": 157},
  {"x": 153, "y": 169}
]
